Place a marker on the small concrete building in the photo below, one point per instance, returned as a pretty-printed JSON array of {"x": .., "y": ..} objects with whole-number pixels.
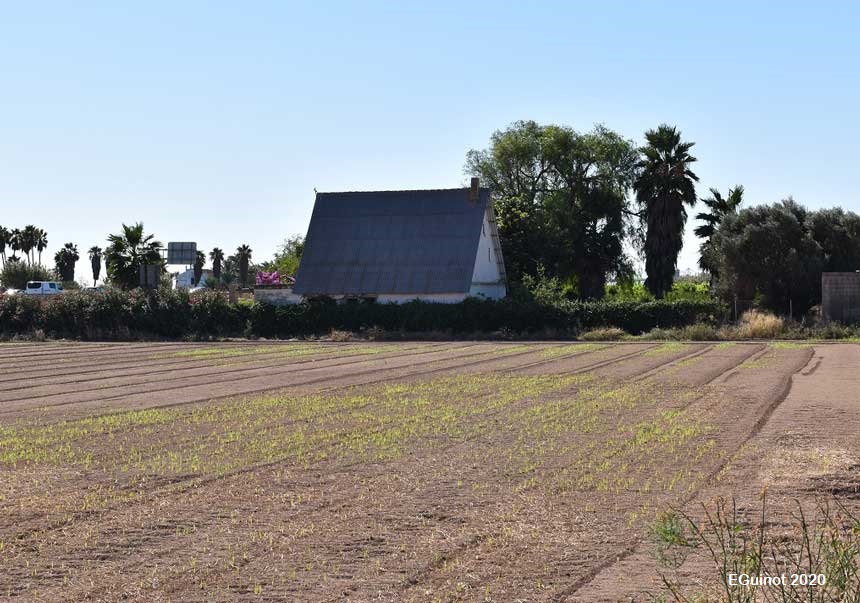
[
  {"x": 840, "y": 296},
  {"x": 397, "y": 246}
]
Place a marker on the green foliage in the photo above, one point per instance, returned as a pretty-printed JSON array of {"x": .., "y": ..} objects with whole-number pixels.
[
  {"x": 117, "y": 314},
  {"x": 664, "y": 186},
  {"x": 95, "y": 255},
  {"x": 243, "y": 257},
  {"x": 65, "y": 259},
  {"x": 683, "y": 289},
  {"x": 544, "y": 289},
  {"x": 199, "y": 262},
  {"x": 776, "y": 253},
  {"x": 561, "y": 200},
  {"x": 718, "y": 208},
  {"x": 217, "y": 257},
  {"x": 16, "y": 274},
  {"x": 288, "y": 257},
  {"x": 127, "y": 252}
]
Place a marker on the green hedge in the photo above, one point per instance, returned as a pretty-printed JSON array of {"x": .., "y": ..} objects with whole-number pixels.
[{"x": 115, "y": 314}]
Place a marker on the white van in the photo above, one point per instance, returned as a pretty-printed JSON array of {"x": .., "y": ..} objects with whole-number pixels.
[{"x": 42, "y": 288}]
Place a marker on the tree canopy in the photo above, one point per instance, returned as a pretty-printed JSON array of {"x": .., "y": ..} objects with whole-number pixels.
[
  {"x": 776, "y": 253},
  {"x": 561, "y": 201},
  {"x": 129, "y": 250},
  {"x": 718, "y": 208}
]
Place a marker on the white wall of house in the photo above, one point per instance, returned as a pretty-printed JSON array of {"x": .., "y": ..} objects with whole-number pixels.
[
  {"x": 185, "y": 280},
  {"x": 277, "y": 297},
  {"x": 486, "y": 279}
]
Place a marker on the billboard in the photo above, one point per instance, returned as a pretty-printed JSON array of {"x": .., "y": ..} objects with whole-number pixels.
[{"x": 181, "y": 253}]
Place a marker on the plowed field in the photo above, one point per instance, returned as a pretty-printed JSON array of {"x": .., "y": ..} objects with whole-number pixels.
[{"x": 395, "y": 471}]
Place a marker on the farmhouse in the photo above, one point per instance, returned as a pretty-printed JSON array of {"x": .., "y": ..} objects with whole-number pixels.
[{"x": 397, "y": 246}]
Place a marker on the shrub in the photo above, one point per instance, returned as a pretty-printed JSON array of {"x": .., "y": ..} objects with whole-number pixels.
[
  {"x": 113, "y": 313},
  {"x": 835, "y": 330},
  {"x": 759, "y": 325},
  {"x": 698, "y": 332},
  {"x": 336, "y": 335},
  {"x": 659, "y": 334},
  {"x": 16, "y": 274},
  {"x": 19, "y": 314},
  {"x": 605, "y": 334}
]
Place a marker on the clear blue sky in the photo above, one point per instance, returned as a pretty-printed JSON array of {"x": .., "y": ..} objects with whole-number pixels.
[{"x": 213, "y": 122}]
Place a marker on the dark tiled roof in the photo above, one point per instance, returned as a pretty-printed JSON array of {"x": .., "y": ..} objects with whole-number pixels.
[{"x": 397, "y": 242}]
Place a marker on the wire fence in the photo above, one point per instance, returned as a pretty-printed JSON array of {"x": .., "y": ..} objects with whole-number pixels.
[{"x": 739, "y": 306}]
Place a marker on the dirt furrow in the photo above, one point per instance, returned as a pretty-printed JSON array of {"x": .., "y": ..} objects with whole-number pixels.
[{"x": 206, "y": 371}]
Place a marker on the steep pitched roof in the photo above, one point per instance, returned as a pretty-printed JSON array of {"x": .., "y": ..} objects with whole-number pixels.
[{"x": 391, "y": 242}]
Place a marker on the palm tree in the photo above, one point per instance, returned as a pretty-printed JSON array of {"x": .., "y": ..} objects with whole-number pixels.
[
  {"x": 5, "y": 239},
  {"x": 28, "y": 241},
  {"x": 95, "y": 254},
  {"x": 66, "y": 258},
  {"x": 664, "y": 186},
  {"x": 243, "y": 254},
  {"x": 217, "y": 256},
  {"x": 127, "y": 252},
  {"x": 199, "y": 262},
  {"x": 719, "y": 209},
  {"x": 41, "y": 242},
  {"x": 15, "y": 241}
]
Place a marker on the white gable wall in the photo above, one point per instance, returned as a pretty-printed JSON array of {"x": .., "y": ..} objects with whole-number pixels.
[{"x": 486, "y": 279}]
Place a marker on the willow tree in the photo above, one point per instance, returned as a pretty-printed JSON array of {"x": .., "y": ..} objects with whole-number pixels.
[{"x": 561, "y": 200}]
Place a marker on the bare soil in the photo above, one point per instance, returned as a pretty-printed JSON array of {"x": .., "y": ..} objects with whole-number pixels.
[{"x": 397, "y": 472}]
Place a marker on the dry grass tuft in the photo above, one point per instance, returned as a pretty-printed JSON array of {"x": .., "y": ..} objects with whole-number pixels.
[
  {"x": 336, "y": 335},
  {"x": 759, "y": 325},
  {"x": 605, "y": 334}
]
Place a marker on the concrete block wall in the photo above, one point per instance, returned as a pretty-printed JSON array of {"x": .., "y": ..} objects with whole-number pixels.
[{"x": 840, "y": 296}]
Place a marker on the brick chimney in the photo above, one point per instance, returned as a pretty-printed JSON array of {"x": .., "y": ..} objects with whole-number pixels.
[{"x": 475, "y": 190}]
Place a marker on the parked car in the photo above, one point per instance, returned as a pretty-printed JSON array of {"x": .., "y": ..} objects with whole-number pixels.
[{"x": 42, "y": 288}]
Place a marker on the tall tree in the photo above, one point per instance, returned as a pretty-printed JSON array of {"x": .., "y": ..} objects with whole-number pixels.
[
  {"x": 718, "y": 208},
  {"x": 773, "y": 254},
  {"x": 665, "y": 185},
  {"x": 561, "y": 200},
  {"x": 243, "y": 255},
  {"x": 217, "y": 257},
  {"x": 65, "y": 259},
  {"x": 129, "y": 250},
  {"x": 15, "y": 242},
  {"x": 199, "y": 262},
  {"x": 29, "y": 241},
  {"x": 41, "y": 242},
  {"x": 288, "y": 256},
  {"x": 5, "y": 240},
  {"x": 95, "y": 254}
]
